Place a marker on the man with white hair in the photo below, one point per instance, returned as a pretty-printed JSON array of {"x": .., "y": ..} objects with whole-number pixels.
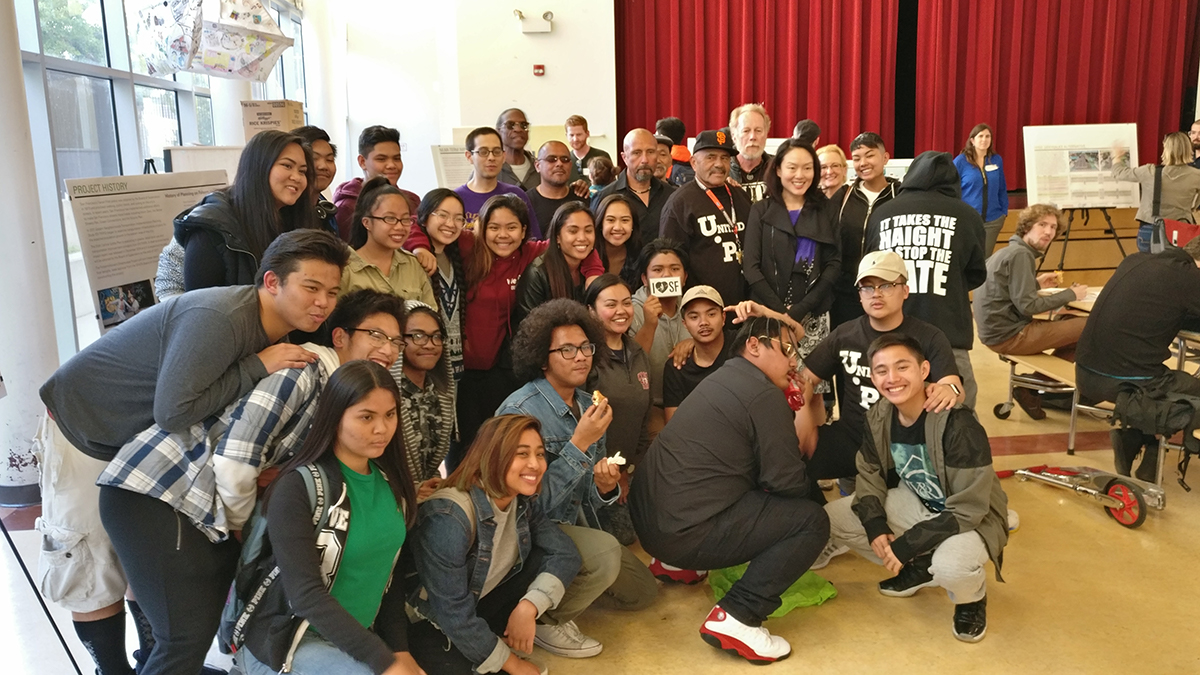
[{"x": 749, "y": 124}]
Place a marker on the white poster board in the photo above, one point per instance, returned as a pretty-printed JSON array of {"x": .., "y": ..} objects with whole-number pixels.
[
  {"x": 124, "y": 222},
  {"x": 1070, "y": 166},
  {"x": 451, "y": 165},
  {"x": 178, "y": 159}
]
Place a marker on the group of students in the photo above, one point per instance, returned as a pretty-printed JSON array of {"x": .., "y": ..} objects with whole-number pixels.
[{"x": 314, "y": 363}]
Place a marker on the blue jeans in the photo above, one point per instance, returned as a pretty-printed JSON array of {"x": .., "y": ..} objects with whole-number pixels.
[{"x": 314, "y": 656}]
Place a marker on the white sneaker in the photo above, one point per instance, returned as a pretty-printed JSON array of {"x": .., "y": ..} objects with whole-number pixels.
[
  {"x": 830, "y": 552},
  {"x": 566, "y": 640},
  {"x": 755, "y": 644}
]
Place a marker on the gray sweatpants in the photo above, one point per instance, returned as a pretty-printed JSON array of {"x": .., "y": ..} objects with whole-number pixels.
[{"x": 958, "y": 563}]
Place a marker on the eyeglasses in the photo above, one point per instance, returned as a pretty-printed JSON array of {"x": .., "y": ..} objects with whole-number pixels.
[
  {"x": 884, "y": 289},
  {"x": 457, "y": 220},
  {"x": 378, "y": 337},
  {"x": 523, "y": 126},
  {"x": 569, "y": 351},
  {"x": 832, "y": 165},
  {"x": 484, "y": 152},
  {"x": 788, "y": 349},
  {"x": 561, "y": 159},
  {"x": 420, "y": 338},
  {"x": 393, "y": 220}
]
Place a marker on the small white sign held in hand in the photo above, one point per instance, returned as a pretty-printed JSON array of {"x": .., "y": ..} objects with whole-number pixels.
[{"x": 666, "y": 287}]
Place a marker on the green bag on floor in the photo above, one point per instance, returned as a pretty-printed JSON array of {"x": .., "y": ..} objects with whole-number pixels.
[{"x": 809, "y": 590}]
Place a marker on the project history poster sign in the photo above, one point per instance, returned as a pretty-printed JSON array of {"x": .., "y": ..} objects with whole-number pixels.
[
  {"x": 124, "y": 222},
  {"x": 1070, "y": 166}
]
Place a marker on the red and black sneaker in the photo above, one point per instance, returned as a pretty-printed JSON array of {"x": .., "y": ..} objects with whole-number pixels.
[
  {"x": 665, "y": 572},
  {"x": 753, "y": 643}
]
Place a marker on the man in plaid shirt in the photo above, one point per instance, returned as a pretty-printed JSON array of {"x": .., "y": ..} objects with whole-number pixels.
[{"x": 209, "y": 472}]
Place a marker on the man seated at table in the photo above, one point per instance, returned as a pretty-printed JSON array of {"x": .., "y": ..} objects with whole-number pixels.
[
  {"x": 1006, "y": 303},
  {"x": 928, "y": 505},
  {"x": 1128, "y": 336}
]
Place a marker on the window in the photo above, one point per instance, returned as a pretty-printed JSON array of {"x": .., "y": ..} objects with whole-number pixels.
[
  {"x": 83, "y": 125},
  {"x": 158, "y": 117},
  {"x": 204, "y": 121},
  {"x": 74, "y": 30},
  {"x": 292, "y": 65}
]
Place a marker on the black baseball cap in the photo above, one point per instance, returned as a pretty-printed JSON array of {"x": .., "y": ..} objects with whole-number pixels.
[
  {"x": 714, "y": 140},
  {"x": 663, "y": 140}
]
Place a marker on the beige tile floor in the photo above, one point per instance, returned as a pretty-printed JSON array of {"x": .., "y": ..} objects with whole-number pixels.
[{"x": 1082, "y": 593}]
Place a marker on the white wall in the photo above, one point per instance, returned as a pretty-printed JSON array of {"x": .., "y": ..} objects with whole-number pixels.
[{"x": 428, "y": 66}]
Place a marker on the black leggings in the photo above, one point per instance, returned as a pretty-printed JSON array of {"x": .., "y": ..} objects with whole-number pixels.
[
  {"x": 434, "y": 652},
  {"x": 480, "y": 393},
  {"x": 180, "y": 578}
]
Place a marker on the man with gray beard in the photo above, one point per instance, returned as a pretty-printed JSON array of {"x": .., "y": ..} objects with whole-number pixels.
[{"x": 637, "y": 181}]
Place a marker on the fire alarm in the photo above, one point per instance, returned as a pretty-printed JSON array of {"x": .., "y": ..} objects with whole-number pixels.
[{"x": 539, "y": 70}]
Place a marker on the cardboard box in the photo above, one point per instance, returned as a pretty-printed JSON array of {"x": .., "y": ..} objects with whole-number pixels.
[{"x": 263, "y": 115}]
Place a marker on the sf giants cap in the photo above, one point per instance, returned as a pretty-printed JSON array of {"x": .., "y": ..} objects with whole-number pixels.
[
  {"x": 714, "y": 140},
  {"x": 886, "y": 265},
  {"x": 702, "y": 293}
]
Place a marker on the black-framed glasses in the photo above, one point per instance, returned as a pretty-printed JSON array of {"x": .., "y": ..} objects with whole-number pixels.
[
  {"x": 884, "y": 289},
  {"x": 523, "y": 126},
  {"x": 420, "y": 338},
  {"x": 393, "y": 220},
  {"x": 457, "y": 220},
  {"x": 561, "y": 159},
  {"x": 789, "y": 350},
  {"x": 378, "y": 337},
  {"x": 569, "y": 351},
  {"x": 484, "y": 152}
]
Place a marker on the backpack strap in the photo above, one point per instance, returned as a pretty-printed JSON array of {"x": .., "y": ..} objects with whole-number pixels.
[
  {"x": 314, "y": 481},
  {"x": 1157, "y": 191}
]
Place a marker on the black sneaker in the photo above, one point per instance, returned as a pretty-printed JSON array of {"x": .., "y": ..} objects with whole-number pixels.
[
  {"x": 912, "y": 577},
  {"x": 970, "y": 620},
  {"x": 1030, "y": 401}
]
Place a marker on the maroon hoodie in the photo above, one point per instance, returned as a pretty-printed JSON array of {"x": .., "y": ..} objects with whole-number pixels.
[{"x": 345, "y": 198}]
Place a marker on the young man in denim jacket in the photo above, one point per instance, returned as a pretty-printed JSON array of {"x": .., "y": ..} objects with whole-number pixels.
[{"x": 552, "y": 352}]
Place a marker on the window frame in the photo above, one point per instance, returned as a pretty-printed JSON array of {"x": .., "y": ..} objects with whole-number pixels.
[{"x": 123, "y": 80}]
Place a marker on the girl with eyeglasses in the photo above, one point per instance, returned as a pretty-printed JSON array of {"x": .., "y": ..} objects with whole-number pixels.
[
  {"x": 382, "y": 222},
  {"x": 440, "y": 219},
  {"x": 427, "y": 391}
]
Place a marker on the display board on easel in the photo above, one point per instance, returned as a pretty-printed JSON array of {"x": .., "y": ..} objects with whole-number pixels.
[
  {"x": 124, "y": 222},
  {"x": 1070, "y": 166}
]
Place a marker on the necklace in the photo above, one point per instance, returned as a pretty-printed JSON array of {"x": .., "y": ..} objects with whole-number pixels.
[{"x": 638, "y": 192}]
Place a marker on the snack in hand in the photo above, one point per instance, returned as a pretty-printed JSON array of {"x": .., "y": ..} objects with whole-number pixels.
[
  {"x": 597, "y": 397},
  {"x": 617, "y": 459}
]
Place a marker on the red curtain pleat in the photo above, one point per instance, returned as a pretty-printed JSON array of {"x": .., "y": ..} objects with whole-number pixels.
[
  {"x": 1016, "y": 63},
  {"x": 834, "y": 62}
]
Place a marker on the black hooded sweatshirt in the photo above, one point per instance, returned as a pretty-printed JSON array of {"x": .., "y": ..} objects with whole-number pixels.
[{"x": 940, "y": 238}]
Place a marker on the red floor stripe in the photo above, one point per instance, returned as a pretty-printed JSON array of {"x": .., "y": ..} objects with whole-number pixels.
[{"x": 1042, "y": 443}]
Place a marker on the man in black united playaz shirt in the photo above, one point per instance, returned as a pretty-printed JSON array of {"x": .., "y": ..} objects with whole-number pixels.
[
  {"x": 708, "y": 215},
  {"x": 842, "y": 358}
]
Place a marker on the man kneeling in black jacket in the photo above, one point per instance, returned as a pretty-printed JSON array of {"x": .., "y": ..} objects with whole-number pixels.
[
  {"x": 928, "y": 476},
  {"x": 724, "y": 483}
]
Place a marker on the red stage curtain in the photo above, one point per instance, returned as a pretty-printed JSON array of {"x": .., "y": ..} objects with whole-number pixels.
[
  {"x": 834, "y": 62},
  {"x": 1015, "y": 63}
]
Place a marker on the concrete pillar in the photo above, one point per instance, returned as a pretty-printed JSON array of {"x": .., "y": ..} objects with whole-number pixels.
[
  {"x": 28, "y": 352},
  {"x": 227, "y": 97}
]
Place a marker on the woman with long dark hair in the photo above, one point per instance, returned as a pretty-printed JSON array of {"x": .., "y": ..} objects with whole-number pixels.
[
  {"x": 377, "y": 260},
  {"x": 621, "y": 371},
  {"x": 558, "y": 273},
  {"x": 489, "y": 560},
  {"x": 224, "y": 236},
  {"x": 792, "y": 259},
  {"x": 337, "y": 606},
  {"x": 621, "y": 238},
  {"x": 441, "y": 217},
  {"x": 981, "y": 172}
]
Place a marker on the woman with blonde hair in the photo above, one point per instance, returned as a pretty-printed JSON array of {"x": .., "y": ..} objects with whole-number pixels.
[
  {"x": 1179, "y": 184},
  {"x": 833, "y": 168}
]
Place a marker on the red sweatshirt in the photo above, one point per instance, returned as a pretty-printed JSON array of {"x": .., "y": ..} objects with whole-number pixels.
[{"x": 487, "y": 318}]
